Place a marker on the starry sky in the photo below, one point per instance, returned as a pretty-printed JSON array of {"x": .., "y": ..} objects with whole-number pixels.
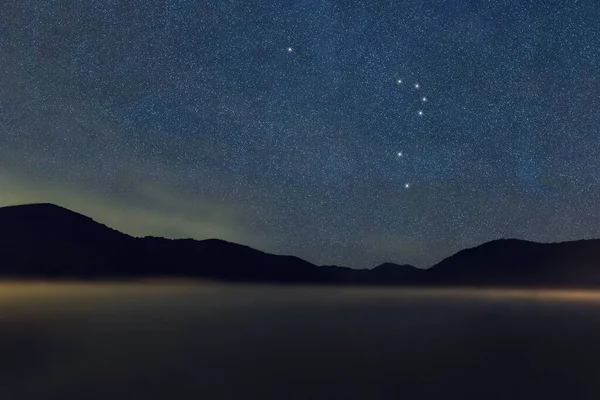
[{"x": 344, "y": 132}]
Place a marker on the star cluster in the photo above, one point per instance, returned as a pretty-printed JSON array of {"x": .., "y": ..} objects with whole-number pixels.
[{"x": 344, "y": 132}]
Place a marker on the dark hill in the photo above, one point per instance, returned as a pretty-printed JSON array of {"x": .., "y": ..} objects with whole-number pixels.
[
  {"x": 48, "y": 221},
  {"x": 44, "y": 240},
  {"x": 47, "y": 241},
  {"x": 218, "y": 259},
  {"x": 520, "y": 262},
  {"x": 390, "y": 272}
]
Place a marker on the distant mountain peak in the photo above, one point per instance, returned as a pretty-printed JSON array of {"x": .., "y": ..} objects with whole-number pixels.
[
  {"x": 390, "y": 265},
  {"x": 45, "y": 209},
  {"x": 35, "y": 206},
  {"x": 48, "y": 217}
]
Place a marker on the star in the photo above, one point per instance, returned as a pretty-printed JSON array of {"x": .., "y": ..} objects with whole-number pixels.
[
  {"x": 289, "y": 49},
  {"x": 417, "y": 86},
  {"x": 406, "y": 185},
  {"x": 420, "y": 113},
  {"x": 423, "y": 99},
  {"x": 399, "y": 81},
  {"x": 399, "y": 154}
]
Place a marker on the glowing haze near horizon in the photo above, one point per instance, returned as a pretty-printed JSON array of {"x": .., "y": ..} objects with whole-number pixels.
[{"x": 344, "y": 132}]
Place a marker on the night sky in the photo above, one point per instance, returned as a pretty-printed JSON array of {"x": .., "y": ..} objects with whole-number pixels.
[{"x": 343, "y": 132}]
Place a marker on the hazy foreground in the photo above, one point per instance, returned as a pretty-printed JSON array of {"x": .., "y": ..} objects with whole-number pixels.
[{"x": 214, "y": 342}]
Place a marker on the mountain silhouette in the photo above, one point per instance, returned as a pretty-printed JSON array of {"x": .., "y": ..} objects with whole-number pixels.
[
  {"x": 515, "y": 262},
  {"x": 390, "y": 272},
  {"x": 48, "y": 241}
]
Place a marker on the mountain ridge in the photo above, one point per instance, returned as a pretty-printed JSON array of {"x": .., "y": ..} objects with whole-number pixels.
[{"x": 44, "y": 240}]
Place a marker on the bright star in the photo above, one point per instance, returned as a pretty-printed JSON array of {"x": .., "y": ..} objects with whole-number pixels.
[
  {"x": 289, "y": 49},
  {"x": 399, "y": 81},
  {"x": 417, "y": 86},
  {"x": 424, "y": 99},
  {"x": 399, "y": 154},
  {"x": 406, "y": 185},
  {"x": 420, "y": 113}
]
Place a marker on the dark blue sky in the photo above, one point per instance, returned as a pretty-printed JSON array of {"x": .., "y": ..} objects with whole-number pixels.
[{"x": 279, "y": 124}]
